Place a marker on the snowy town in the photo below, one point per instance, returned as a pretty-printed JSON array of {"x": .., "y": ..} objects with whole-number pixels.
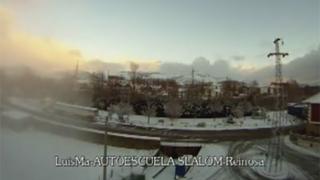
[
  {"x": 144, "y": 114},
  {"x": 63, "y": 116}
]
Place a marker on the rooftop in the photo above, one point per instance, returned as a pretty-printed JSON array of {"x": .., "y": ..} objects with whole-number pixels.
[{"x": 315, "y": 99}]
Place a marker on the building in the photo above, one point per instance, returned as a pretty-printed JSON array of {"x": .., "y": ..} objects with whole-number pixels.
[
  {"x": 265, "y": 90},
  {"x": 313, "y": 126},
  {"x": 233, "y": 88}
]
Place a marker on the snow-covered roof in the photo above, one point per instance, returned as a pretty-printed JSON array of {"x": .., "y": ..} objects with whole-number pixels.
[
  {"x": 313, "y": 99},
  {"x": 197, "y": 78},
  {"x": 158, "y": 76}
]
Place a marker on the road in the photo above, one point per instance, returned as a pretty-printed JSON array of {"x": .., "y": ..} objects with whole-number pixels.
[
  {"x": 309, "y": 165},
  {"x": 306, "y": 166}
]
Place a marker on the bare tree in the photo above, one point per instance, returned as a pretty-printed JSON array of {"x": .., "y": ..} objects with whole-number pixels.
[
  {"x": 98, "y": 88},
  {"x": 237, "y": 111},
  {"x": 133, "y": 72},
  {"x": 149, "y": 110},
  {"x": 134, "y": 66},
  {"x": 173, "y": 109},
  {"x": 216, "y": 107},
  {"x": 122, "y": 110},
  {"x": 246, "y": 107},
  {"x": 111, "y": 110}
]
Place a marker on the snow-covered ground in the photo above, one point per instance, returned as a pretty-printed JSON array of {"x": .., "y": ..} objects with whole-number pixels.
[
  {"x": 117, "y": 172},
  {"x": 302, "y": 150},
  {"x": 40, "y": 148},
  {"x": 179, "y": 123},
  {"x": 198, "y": 123},
  {"x": 287, "y": 170},
  {"x": 30, "y": 155},
  {"x": 207, "y": 171},
  {"x": 199, "y": 172},
  {"x": 30, "y": 104},
  {"x": 15, "y": 114}
]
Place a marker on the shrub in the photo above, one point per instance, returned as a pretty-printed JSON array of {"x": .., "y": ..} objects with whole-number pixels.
[{"x": 201, "y": 124}]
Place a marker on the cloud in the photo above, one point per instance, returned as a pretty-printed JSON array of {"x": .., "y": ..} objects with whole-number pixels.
[
  {"x": 174, "y": 69},
  {"x": 18, "y": 48},
  {"x": 97, "y": 65},
  {"x": 304, "y": 69},
  {"x": 144, "y": 65},
  {"x": 201, "y": 64},
  {"x": 219, "y": 69},
  {"x": 238, "y": 58},
  {"x": 47, "y": 55}
]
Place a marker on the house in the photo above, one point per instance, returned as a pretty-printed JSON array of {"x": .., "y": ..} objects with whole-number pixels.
[
  {"x": 265, "y": 90},
  {"x": 313, "y": 126},
  {"x": 233, "y": 88},
  {"x": 215, "y": 90}
]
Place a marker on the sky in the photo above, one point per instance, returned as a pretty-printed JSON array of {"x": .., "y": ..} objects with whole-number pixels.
[{"x": 238, "y": 31}]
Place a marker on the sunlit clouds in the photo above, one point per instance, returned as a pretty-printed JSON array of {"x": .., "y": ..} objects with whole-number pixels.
[
  {"x": 44, "y": 54},
  {"x": 19, "y": 48},
  {"x": 53, "y": 36}
]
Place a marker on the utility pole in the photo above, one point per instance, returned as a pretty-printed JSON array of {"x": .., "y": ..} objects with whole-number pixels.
[
  {"x": 74, "y": 83},
  {"x": 105, "y": 147},
  {"x": 275, "y": 151},
  {"x": 75, "y": 75},
  {"x": 192, "y": 76},
  {"x": 77, "y": 69},
  {"x": 2, "y": 99},
  {"x": 2, "y": 88}
]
